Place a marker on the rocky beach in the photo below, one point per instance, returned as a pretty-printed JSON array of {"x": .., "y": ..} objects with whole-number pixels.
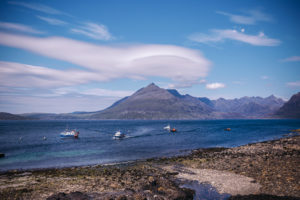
[{"x": 266, "y": 170}]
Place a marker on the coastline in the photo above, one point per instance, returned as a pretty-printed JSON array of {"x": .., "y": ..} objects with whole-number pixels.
[{"x": 266, "y": 168}]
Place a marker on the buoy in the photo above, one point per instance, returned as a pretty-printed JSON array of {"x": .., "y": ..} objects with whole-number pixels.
[
  {"x": 173, "y": 130},
  {"x": 44, "y": 138},
  {"x": 227, "y": 129}
]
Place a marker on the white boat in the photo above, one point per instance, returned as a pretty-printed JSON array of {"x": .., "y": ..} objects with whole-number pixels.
[
  {"x": 69, "y": 134},
  {"x": 167, "y": 128},
  {"x": 118, "y": 135}
]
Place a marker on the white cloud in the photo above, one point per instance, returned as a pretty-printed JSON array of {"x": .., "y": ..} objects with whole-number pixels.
[
  {"x": 250, "y": 17},
  {"x": 95, "y": 31},
  {"x": 294, "y": 84},
  {"x": 218, "y": 35},
  {"x": 41, "y": 77},
  {"x": 213, "y": 86},
  {"x": 18, "y": 27},
  {"x": 39, "y": 7},
  {"x": 105, "y": 63},
  {"x": 291, "y": 59},
  {"x": 52, "y": 21},
  {"x": 238, "y": 18}
]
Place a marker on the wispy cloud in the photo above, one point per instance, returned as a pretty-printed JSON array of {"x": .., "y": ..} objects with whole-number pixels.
[
  {"x": 264, "y": 77},
  {"x": 294, "y": 84},
  {"x": 186, "y": 84},
  {"x": 291, "y": 59},
  {"x": 89, "y": 29},
  {"x": 218, "y": 35},
  {"x": 249, "y": 17},
  {"x": 213, "y": 86},
  {"x": 103, "y": 63},
  {"x": 18, "y": 28},
  {"x": 39, "y": 7},
  {"x": 42, "y": 77},
  {"x": 52, "y": 21},
  {"x": 93, "y": 92},
  {"x": 95, "y": 31}
]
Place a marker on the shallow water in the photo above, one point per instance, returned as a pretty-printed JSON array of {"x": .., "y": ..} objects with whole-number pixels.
[
  {"x": 24, "y": 147},
  {"x": 204, "y": 191}
]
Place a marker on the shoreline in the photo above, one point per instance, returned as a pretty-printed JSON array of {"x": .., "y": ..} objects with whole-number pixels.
[
  {"x": 180, "y": 153},
  {"x": 272, "y": 167}
]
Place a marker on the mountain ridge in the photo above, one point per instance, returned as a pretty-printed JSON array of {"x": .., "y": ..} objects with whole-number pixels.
[
  {"x": 291, "y": 109},
  {"x": 9, "y": 116},
  {"x": 153, "y": 102}
]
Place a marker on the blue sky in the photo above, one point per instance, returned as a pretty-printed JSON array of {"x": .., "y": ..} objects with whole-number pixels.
[{"x": 64, "y": 56}]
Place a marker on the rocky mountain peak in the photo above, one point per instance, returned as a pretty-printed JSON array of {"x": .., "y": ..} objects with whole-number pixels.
[
  {"x": 151, "y": 86},
  {"x": 152, "y": 91},
  {"x": 291, "y": 109}
]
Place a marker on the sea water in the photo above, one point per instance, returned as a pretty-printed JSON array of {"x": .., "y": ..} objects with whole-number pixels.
[{"x": 37, "y": 143}]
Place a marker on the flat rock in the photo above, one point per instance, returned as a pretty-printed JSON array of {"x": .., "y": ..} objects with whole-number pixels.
[{"x": 223, "y": 181}]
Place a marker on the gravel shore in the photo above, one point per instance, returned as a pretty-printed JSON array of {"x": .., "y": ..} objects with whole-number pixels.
[{"x": 266, "y": 170}]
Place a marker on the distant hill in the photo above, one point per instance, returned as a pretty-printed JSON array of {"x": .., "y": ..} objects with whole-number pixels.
[
  {"x": 153, "y": 102},
  {"x": 249, "y": 107},
  {"x": 53, "y": 116},
  {"x": 291, "y": 109},
  {"x": 9, "y": 116}
]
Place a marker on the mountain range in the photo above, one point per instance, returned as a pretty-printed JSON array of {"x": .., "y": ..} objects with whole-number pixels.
[
  {"x": 9, "y": 116},
  {"x": 290, "y": 109},
  {"x": 153, "y": 102}
]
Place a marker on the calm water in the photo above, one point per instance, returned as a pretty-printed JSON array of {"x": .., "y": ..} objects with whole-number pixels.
[{"x": 144, "y": 139}]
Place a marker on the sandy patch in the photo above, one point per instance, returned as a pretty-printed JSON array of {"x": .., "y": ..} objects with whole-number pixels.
[{"x": 223, "y": 181}]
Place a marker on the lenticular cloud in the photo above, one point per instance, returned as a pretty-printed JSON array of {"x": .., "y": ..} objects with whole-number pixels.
[{"x": 112, "y": 62}]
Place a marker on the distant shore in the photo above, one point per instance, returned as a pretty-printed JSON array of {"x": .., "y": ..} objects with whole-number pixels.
[{"x": 262, "y": 170}]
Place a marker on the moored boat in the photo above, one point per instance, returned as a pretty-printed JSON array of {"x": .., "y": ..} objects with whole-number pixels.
[
  {"x": 69, "y": 134},
  {"x": 168, "y": 128},
  {"x": 118, "y": 135}
]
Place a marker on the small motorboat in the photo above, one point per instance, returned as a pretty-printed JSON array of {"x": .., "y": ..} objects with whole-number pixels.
[
  {"x": 168, "y": 128},
  {"x": 118, "y": 135},
  {"x": 69, "y": 134}
]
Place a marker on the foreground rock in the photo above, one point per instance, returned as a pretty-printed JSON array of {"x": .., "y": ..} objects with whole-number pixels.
[
  {"x": 272, "y": 164},
  {"x": 131, "y": 181},
  {"x": 267, "y": 170}
]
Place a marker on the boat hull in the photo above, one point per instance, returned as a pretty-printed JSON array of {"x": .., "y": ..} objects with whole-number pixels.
[{"x": 69, "y": 134}]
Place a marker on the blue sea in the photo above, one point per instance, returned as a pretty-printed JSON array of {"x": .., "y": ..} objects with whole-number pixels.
[{"x": 25, "y": 148}]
